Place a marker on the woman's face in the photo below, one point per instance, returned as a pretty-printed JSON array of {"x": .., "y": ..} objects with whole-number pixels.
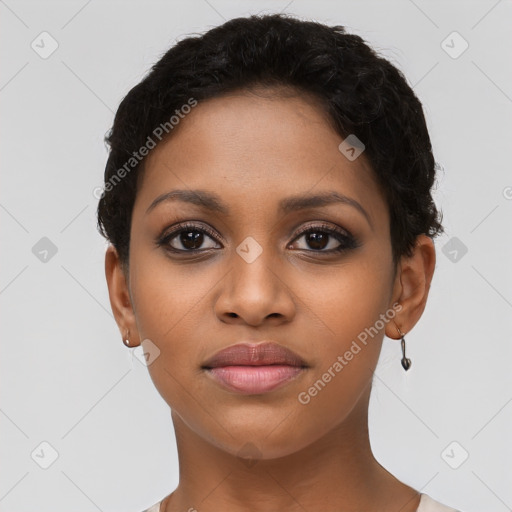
[{"x": 254, "y": 277}]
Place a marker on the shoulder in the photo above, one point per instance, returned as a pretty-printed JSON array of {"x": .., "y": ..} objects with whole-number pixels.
[
  {"x": 154, "y": 508},
  {"x": 427, "y": 504}
]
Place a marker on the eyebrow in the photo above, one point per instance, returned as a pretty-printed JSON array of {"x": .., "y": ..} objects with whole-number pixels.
[{"x": 213, "y": 202}]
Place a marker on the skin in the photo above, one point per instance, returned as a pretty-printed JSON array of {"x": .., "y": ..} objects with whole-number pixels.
[{"x": 254, "y": 150}]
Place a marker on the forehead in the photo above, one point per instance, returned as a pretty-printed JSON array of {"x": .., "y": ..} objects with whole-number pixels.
[{"x": 258, "y": 147}]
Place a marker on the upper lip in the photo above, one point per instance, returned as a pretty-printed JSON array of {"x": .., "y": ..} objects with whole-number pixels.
[{"x": 254, "y": 354}]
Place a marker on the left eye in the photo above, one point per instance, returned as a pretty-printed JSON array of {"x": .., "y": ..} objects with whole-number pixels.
[{"x": 322, "y": 240}]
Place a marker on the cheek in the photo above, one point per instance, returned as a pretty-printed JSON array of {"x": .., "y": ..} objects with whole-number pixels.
[
  {"x": 164, "y": 295},
  {"x": 350, "y": 304},
  {"x": 165, "y": 301},
  {"x": 348, "y": 300}
]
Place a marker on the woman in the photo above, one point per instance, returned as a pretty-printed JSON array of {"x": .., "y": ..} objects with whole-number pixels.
[{"x": 268, "y": 206}]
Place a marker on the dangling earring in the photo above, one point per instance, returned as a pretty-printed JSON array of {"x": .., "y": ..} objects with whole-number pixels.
[
  {"x": 126, "y": 339},
  {"x": 406, "y": 362}
]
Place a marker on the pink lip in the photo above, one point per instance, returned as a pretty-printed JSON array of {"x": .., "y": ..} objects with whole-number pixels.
[{"x": 250, "y": 368}]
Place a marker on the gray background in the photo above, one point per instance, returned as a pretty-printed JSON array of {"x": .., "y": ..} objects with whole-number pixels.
[{"x": 66, "y": 377}]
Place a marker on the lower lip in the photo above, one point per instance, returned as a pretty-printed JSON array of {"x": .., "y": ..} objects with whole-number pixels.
[{"x": 254, "y": 380}]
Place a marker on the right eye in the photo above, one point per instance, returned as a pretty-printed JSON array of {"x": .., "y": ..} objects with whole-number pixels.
[{"x": 188, "y": 238}]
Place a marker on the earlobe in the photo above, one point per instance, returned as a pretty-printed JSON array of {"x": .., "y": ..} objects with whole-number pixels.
[
  {"x": 119, "y": 295},
  {"x": 414, "y": 278}
]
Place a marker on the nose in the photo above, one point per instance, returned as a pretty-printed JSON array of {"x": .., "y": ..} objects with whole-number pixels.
[{"x": 255, "y": 292}]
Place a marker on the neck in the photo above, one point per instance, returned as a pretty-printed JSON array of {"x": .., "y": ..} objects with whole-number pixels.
[{"x": 339, "y": 468}]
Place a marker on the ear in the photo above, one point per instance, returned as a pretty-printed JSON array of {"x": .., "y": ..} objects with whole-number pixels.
[
  {"x": 411, "y": 287},
  {"x": 119, "y": 293}
]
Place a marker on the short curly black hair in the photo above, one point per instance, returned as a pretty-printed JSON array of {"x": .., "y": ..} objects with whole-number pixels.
[{"x": 361, "y": 92}]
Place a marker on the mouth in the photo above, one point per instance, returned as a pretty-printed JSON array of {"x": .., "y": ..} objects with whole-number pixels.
[{"x": 251, "y": 369}]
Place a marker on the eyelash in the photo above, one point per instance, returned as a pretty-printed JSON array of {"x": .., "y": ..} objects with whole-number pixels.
[{"x": 346, "y": 239}]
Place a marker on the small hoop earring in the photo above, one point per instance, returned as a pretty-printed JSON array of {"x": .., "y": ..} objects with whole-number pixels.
[{"x": 406, "y": 362}]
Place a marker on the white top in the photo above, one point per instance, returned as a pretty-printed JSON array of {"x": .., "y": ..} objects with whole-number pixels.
[{"x": 427, "y": 504}]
